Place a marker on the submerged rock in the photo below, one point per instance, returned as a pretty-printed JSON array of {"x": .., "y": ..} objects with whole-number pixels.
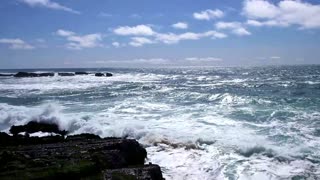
[
  {"x": 6, "y": 75},
  {"x": 140, "y": 173},
  {"x": 84, "y": 156},
  {"x": 66, "y": 74},
  {"x": 33, "y": 127},
  {"x": 102, "y": 74},
  {"x": 99, "y": 74},
  {"x": 45, "y": 74},
  {"x": 81, "y": 73},
  {"x": 26, "y": 74}
]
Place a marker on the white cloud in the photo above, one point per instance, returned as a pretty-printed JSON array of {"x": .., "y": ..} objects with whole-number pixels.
[
  {"x": 180, "y": 25},
  {"x": 116, "y": 44},
  {"x": 139, "y": 30},
  {"x": 241, "y": 32},
  {"x": 270, "y": 23},
  {"x": 167, "y": 38},
  {"x": 171, "y": 38},
  {"x": 65, "y": 33},
  {"x": 260, "y": 9},
  {"x": 285, "y": 13},
  {"x": 208, "y": 14},
  {"x": 79, "y": 42},
  {"x": 227, "y": 25},
  {"x": 235, "y": 27},
  {"x": 140, "y": 41},
  {"x": 16, "y": 44},
  {"x": 49, "y": 4}
]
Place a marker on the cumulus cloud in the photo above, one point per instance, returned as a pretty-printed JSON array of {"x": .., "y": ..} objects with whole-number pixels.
[
  {"x": 208, "y": 14},
  {"x": 235, "y": 27},
  {"x": 140, "y": 41},
  {"x": 269, "y": 23},
  {"x": 116, "y": 44},
  {"x": 284, "y": 13},
  {"x": 65, "y": 33},
  {"x": 49, "y": 4},
  {"x": 171, "y": 38},
  {"x": 180, "y": 25},
  {"x": 16, "y": 44},
  {"x": 167, "y": 38},
  {"x": 139, "y": 30},
  {"x": 79, "y": 42}
]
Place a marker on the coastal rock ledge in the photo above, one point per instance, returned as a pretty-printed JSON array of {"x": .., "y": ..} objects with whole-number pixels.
[{"x": 84, "y": 156}]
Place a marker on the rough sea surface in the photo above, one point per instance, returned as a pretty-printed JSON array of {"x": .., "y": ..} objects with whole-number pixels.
[{"x": 196, "y": 123}]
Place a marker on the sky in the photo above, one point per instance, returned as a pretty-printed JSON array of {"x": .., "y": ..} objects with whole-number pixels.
[{"x": 149, "y": 33}]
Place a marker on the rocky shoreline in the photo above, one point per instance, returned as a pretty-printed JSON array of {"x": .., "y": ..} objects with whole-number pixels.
[
  {"x": 51, "y": 74},
  {"x": 84, "y": 156}
]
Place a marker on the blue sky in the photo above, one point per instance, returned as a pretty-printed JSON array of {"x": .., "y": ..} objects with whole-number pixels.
[{"x": 143, "y": 33}]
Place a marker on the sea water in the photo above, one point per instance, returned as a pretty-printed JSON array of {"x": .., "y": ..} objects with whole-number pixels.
[{"x": 196, "y": 123}]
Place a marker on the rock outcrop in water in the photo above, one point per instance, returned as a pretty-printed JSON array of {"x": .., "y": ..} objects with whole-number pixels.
[
  {"x": 66, "y": 74},
  {"x": 27, "y": 74},
  {"x": 102, "y": 74},
  {"x": 99, "y": 74},
  {"x": 33, "y": 127},
  {"x": 31, "y": 74},
  {"x": 5, "y": 75},
  {"x": 84, "y": 156},
  {"x": 81, "y": 73},
  {"x": 45, "y": 74}
]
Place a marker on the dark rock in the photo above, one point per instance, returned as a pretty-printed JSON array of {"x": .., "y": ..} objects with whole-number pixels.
[
  {"x": 109, "y": 74},
  {"x": 82, "y": 136},
  {"x": 140, "y": 173},
  {"x": 66, "y": 74},
  {"x": 45, "y": 74},
  {"x": 99, "y": 74},
  {"x": 33, "y": 127},
  {"x": 5, "y": 75},
  {"x": 84, "y": 156},
  {"x": 81, "y": 73},
  {"x": 19, "y": 140},
  {"x": 26, "y": 74}
]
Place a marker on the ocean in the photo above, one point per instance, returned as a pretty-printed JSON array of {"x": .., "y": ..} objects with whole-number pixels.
[{"x": 196, "y": 123}]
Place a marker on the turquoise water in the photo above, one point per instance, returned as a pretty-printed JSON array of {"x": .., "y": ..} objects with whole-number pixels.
[{"x": 196, "y": 123}]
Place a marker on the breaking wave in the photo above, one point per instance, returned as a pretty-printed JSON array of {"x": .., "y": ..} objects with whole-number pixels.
[{"x": 220, "y": 123}]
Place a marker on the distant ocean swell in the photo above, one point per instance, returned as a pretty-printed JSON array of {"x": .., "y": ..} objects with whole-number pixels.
[{"x": 208, "y": 123}]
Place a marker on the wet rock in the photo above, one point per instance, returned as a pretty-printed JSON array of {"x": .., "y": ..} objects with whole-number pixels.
[
  {"x": 84, "y": 156},
  {"x": 81, "y": 73},
  {"x": 45, "y": 74},
  {"x": 109, "y": 74},
  {"x": 5, "y": 75},
  {"x": 139, "y": 173},
  {"x": 33, "y": 127},
  {"x": 99, "y": 74},
  {"x": 66, "y": 74},
  {"x": 26, "y": 74}
]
